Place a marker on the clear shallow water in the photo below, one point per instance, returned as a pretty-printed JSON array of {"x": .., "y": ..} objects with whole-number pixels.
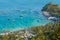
[{"x": 16, "y": 14}]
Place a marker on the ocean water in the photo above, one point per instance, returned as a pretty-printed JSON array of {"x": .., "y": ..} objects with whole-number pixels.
[{"x": 19, "y": 14}]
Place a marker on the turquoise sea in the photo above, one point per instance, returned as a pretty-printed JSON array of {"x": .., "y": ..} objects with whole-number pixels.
[{"x": 19, "y": 14}]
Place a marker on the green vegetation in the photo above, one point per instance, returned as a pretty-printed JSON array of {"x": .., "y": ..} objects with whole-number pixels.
[
  {"x": 52, "y": 9},
  {"x": 49, "y": 31}
]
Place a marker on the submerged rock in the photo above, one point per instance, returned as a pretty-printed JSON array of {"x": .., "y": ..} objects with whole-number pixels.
[
  {"x": 37, "y": 20},
  {"x": 8, "y": 19}
]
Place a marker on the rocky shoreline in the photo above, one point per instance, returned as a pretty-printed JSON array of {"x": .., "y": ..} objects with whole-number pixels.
[
  {"x": 48, "y": 15},
  {"x": 51, "y": 11}
]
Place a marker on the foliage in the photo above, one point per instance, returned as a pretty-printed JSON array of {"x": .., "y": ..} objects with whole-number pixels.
[{"x": 52, "y": 9}]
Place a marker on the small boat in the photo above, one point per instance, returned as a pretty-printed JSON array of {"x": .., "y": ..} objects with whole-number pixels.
[
  {"x": 18, "y": 10},
  {"x": 21, "y": 15}
]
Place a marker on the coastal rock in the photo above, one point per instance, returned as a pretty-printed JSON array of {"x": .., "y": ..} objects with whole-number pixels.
[
  {"x": 52, "y": 18},
  {"x": 46, "y": 13},
  {"x": 49, "y": 17}
]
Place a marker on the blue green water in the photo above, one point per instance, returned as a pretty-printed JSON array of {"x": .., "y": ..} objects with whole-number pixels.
[{"x": 17, "y": 14}]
